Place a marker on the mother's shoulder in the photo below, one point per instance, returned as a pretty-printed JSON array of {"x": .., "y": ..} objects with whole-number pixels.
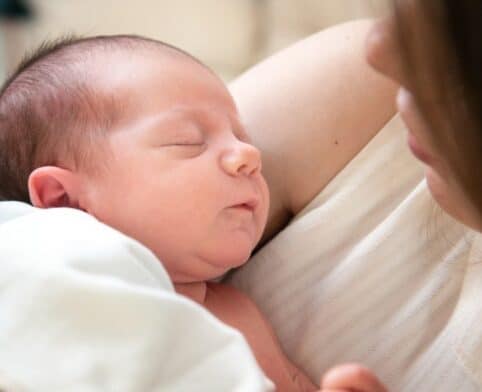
[{"x": 310, "y": 109}]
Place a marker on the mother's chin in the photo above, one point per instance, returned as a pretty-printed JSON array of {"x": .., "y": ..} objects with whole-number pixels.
[{"x": 450, "y": 197}]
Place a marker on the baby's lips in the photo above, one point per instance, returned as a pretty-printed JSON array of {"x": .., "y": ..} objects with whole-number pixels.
[{"x": 249, "y": 204}]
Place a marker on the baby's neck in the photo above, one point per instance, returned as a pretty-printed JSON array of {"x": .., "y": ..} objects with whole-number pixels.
[{"x": 195, "y": 291}]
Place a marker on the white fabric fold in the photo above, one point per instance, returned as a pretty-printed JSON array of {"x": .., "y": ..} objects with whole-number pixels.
[{"x": 85, "y": 308}]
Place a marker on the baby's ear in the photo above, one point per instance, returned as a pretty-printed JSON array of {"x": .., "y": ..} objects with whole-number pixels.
[{"x": 51, "y": 186}]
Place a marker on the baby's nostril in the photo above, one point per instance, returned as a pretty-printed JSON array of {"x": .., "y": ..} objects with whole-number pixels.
[{"x": 243, "y": 168}]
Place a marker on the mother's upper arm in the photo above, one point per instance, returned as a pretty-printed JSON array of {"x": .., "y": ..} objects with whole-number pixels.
[{"x": 310, "y": 109}]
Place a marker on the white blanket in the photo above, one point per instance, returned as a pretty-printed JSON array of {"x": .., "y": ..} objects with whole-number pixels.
[
  {"x": 84, "y": 308},
  {"x": 372, "y": 271}
]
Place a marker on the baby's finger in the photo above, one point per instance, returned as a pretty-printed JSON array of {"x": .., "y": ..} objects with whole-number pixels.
[{"x": 352, "y": 377}]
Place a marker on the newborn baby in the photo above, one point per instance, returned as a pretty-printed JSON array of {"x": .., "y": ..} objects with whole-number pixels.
[{"x": 148, "y": 140}]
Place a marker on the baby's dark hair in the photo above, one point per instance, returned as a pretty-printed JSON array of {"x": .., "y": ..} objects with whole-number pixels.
[{"x": 51, "y": 111}]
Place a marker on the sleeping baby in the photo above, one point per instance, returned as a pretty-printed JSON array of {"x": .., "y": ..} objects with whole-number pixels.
[{"x": 147, "y": 139}]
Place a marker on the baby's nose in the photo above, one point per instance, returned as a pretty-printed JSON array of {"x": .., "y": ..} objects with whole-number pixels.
[{"x": 243, "y": 158}]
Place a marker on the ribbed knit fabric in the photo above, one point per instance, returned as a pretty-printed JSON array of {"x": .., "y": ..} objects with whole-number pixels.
[{"x": 373, "y": 271}]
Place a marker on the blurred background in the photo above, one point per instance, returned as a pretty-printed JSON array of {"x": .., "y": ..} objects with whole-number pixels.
[{"x": 228, "y": 35}]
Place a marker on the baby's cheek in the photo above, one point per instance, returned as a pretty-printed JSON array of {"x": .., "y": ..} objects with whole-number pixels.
[{"x": 263, "y": 218}]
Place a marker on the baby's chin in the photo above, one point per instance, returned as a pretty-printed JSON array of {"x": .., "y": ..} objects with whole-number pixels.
[
  {"x": 232, "y": 258},
  {"x": 227, "y": 258},
  {"x": 208, "y": 264}
]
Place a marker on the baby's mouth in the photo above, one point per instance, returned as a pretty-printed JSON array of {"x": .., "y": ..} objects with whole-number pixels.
[
  {"x": 244, "y": 207},
  {"x": 248, "y": 205}
]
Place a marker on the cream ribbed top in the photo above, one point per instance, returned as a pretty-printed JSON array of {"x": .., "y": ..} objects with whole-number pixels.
[{"x": 372, "y": 271}]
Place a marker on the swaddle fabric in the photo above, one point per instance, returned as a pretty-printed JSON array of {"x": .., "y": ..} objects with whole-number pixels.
[{"x": 85, "y": 308}]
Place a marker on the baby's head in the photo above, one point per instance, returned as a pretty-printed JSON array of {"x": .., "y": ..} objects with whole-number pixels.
[{"x": 143, "y": 137}]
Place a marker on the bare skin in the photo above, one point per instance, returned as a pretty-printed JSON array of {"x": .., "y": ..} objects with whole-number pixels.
[{"x": 237, "y": 310}]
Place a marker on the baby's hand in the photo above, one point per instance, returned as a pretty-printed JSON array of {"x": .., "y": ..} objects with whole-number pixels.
[{"x": 350, "y": 378}]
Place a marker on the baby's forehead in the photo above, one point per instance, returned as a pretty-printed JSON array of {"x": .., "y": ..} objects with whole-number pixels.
[
  {"x": 133, "y": 60},
  {"x": 150, "y": 85},
  {"x": 138, "y": 68}
]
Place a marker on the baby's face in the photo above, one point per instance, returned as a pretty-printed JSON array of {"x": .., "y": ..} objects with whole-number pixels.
[{"x": 183, "y": 178}]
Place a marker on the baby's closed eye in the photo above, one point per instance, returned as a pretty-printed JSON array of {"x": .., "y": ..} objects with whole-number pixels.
[
  {"x": 182, "y": 136},
  {"x": 185, "y": 146}
]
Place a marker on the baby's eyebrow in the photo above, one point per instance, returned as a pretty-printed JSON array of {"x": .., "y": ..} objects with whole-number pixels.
[
  {"x": 151, "y": 125},
  {"x": 176, "y": 112},
  {"x": 206, "y": 115}
]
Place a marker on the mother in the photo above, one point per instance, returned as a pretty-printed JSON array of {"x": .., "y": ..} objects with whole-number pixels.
[{"x": 366, "y": 271}]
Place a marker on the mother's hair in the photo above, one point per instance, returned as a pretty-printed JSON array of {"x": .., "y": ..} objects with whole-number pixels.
[{"x": 441, "y": 43}]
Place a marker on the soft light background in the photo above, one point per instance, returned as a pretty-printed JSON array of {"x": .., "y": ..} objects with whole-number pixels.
[{"x": 228, "y": 35}]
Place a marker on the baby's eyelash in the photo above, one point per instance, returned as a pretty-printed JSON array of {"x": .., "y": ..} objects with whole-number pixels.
[
  {"x": 185, "y": 150},
  {"x": 184, "y": 145}
]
